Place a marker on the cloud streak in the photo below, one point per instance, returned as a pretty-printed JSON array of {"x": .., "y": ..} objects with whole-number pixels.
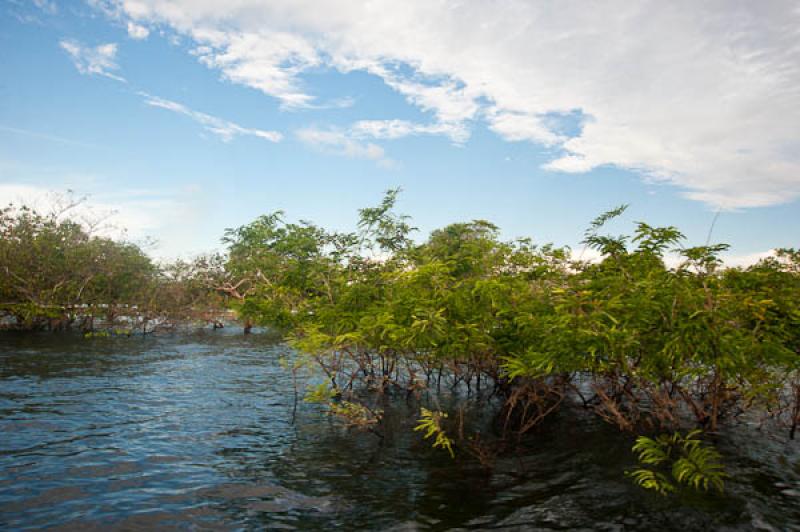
[
  {"x": 396, "y": 129},
  {"x": 135, "y": 31},
  {"x": 224, "y": 129},
  {"x": 93, "y": 60},
  {"x": 354, "y": 142},
  {"x": 342, "y": 143}
]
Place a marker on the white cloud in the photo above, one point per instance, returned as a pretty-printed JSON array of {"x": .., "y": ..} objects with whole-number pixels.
[
  {"x": 520, "y": 126},
  {"x": 342, "y": 143},
  {"x": 136, "y": 31},
  {"x": 703, "y": 95},
  {"x": 354, "y": 141},
  {"x": 451, "y": 103},
  {"x": 225, "y": 129},
  {"x": 268, "y": 61},
  {"x": 747, "y": 259},
  {"x": 98, "y": 60},
  {"x": 338, "y": 103},
  {"x": 673, "y": 259},
  {"x": 395, "y": 129}
]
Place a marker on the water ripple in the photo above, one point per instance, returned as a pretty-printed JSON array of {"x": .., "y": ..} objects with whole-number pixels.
[{"x": 195, "y": 433}]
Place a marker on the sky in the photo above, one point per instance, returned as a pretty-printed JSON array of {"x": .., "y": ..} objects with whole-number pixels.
[{"x": 180, "y": 118}]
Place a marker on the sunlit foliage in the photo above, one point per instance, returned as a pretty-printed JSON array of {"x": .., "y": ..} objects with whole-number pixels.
[
  {"x": 431, "y": 423},
  {"x": 689, "y": 461}
]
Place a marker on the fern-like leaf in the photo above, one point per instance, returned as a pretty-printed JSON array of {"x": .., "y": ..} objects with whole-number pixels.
[
  {"x": 430, "y": 422},
  {"x": 694, "y": 463}
]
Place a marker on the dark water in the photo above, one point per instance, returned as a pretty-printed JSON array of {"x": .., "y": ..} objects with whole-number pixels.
[{"x": 195, "y": 433}]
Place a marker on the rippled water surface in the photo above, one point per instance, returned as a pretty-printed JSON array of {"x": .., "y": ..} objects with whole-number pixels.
[{"x": 195, "y": 432}]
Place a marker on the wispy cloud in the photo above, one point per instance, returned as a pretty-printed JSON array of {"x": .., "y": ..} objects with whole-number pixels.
[
  {"x": 395, "y": 129},
  {"x": 452, "y": 103},
  {"x": 354, "y": 142},
  {"x": 93, "y": 60},
  {"x": 522, "y": 127},
  {"x": 225, "y": 129},
  {"x": 137, "y": 31},
  {"x": 269, "y": 61},
  {"x": 339, "y": 142},
  {"x": 338, "y": 103}
]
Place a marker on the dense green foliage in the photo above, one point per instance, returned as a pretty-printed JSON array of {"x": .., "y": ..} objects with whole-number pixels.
[{"x": 645, "y": 346}]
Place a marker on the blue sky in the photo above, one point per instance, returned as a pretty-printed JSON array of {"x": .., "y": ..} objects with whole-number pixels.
[{"x": 187, "y": 117}]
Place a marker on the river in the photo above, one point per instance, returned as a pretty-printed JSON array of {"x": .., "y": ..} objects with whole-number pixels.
[{"x": 195, "y": 432}]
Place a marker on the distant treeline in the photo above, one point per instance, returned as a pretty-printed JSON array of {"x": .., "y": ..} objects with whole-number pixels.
[
  {"x": 528, "y": 327},
  {"x": 56, "y": 274}
]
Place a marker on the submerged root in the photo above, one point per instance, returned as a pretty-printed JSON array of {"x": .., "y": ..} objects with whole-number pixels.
[{"x": 529, "y": 403}]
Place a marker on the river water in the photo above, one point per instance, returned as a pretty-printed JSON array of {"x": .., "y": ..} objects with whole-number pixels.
[{"x": 195, "y": 432}]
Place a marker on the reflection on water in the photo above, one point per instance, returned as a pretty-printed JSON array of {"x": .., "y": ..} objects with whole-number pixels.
[{"x": 194, "y": 432}]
